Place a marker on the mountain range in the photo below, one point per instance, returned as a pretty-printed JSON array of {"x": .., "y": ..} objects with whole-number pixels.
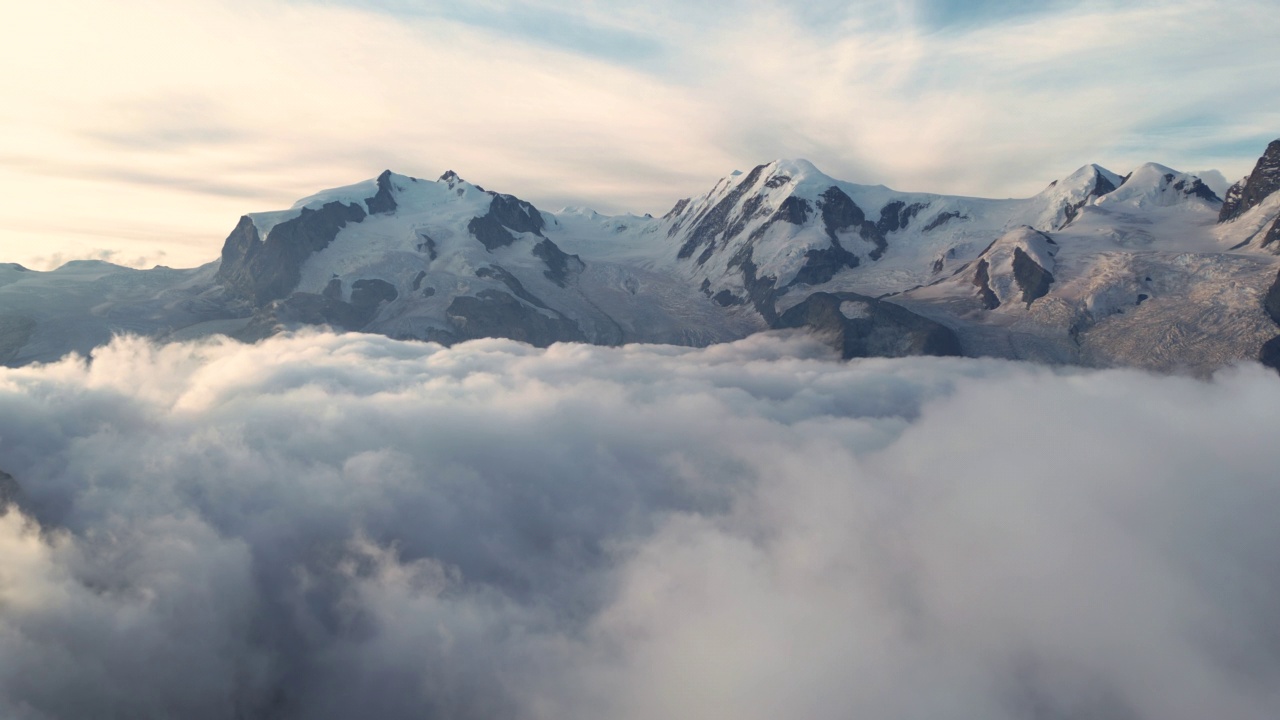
[{"x": 1150, "y": 269}]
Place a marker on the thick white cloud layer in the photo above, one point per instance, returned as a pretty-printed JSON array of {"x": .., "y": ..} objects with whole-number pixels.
[{"x": 333, "y": 527}]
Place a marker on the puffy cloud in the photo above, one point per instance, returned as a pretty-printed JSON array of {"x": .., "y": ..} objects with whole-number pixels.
[{"x": 331, "y": 526}]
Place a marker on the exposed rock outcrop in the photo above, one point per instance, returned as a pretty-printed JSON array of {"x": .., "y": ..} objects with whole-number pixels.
[
  {"x": 714, "y": 222},
  {"x": 493, "y": 313},
  {"x": 1256, "y": 187},
  {"x": 265, "y": 270},
  {"x": 560, "y": 265},
  {"x": 860, "y": 326},
  {"x": 507, "y": 214},
  {"x": 383, "y": 202},
  {"x": 1033, "y": 280},
  {"x": 896, "y": 215}
]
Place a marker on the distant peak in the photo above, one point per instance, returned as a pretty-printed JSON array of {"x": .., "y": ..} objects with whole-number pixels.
[{"x": 450, "y": 177}]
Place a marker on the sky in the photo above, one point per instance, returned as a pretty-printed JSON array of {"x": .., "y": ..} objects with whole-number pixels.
[
  {"x": 332, "y": 526},
  {"x": 139, "y": 131}
]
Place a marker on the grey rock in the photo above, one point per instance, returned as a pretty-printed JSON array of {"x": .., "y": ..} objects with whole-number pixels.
[
  {"x": 982, "y": 280},
  {"x": 943, "y": 218},
  {"x": 881, "y": 330},
  {"x": 1031, "y": 278},
  {"x": 326, "y": 308},
  {"x": 1101, "y": 186},
  {"x": 1271, "y": 301},
  {"x": 677, "y": 209},
  {"x": 513, "y": 284},
  {"x": 1256, "y": 187},
  {"x": 822, "y": 265},
  {"x": 428, "y": 245},
  {"x": 367, "y": 295},
  {"x": 560, "y": 265},
  {"x": 506, "y": 214},
  {"x": 493, "y": 313},
  {"x": 1269, "y": 355},
  {"x": 839, "y": 212},
  {"x": 1273, "y": 234},
  {"x": 263, "y": 271},
  {"x": 896, "y": 215},
  {"x": 383, "y": 202},
  {"x": 715, "y": 221}
]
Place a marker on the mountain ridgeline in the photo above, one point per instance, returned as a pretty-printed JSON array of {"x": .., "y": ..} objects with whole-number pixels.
[{"x": 1149, "y": 269}]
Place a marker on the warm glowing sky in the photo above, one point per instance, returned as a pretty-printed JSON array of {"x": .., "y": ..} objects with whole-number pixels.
[{"x": 143, "y": 129}]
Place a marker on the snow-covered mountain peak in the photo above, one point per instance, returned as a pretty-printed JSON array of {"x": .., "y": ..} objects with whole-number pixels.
[
  {"x": 1063, "y": 200},
  {"x": 1156, "y": 185}
]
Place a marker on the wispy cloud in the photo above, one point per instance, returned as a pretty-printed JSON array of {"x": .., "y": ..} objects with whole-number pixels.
[{"x": 622, "y": 108}]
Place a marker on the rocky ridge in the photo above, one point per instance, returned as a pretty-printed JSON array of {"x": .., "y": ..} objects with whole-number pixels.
[{"x": 1144, "y": 269}]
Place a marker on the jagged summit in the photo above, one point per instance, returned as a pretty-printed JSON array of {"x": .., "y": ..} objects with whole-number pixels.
[
  {"x": 1156, "y": 185},
  {"x": 1097, "y": 268},
  {"x": 1064, "y": 199},
  {"x": 1257, "y": 186}
]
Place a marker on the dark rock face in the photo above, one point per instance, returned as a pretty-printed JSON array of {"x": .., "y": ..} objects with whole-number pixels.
[
  {"x": 493, "y": 313},
  {"x": 559, "y": 263},
  {"x": 943, "y": 219},
  {"x": 265, "y": 271},
  {"x": 490, "y": 232},
  {"x": 326, "y": 308},
  {"x": 724, "y": 298},
  {"x": 367, "y": 295},
  {"x": 678, "y": 208},
  {"x": 1273, "y": 234},
  {"x": 1101, "y": 186},
  {"x": 793, "y": 210},
  {"x": 839, "y": 212},
  {"x": 761, "y": 291},
  {"x": 883, "y": 330},
  {"x": 383, "y": 202},
  {"x": 516, "y": 214},
  {"x": 1033, "y": 279},
  {"x": 714, "y": 222},
  {"x": 822, "y": 265},
  {"x": 752, "y": 208},
  {"x": 982, "y": 280},
  {"x": 497, "y": 272},
  {"x": 427, "y": 245},
  {"x": 1196, "y": 188},
  {"x": 507, "y": 213},
  {"x": 895, "y": 216},
  {"x": 1270, "y": 353},
  {"x": 417, "y": 280},
  {"x": 1260, "y": 184},
  {"x": 1271, "y": 302}
]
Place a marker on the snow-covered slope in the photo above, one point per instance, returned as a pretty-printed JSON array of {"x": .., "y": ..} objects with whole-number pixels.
[{"x": 1148, "y": 269}]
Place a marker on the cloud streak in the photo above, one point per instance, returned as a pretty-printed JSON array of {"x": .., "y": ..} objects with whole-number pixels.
[
  {"x": 626, "y": 109},
  {"x": 322, "y": 526}
]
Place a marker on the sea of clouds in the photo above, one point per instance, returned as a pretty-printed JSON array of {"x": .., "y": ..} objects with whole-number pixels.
[{"x": 322, "y": 526}]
